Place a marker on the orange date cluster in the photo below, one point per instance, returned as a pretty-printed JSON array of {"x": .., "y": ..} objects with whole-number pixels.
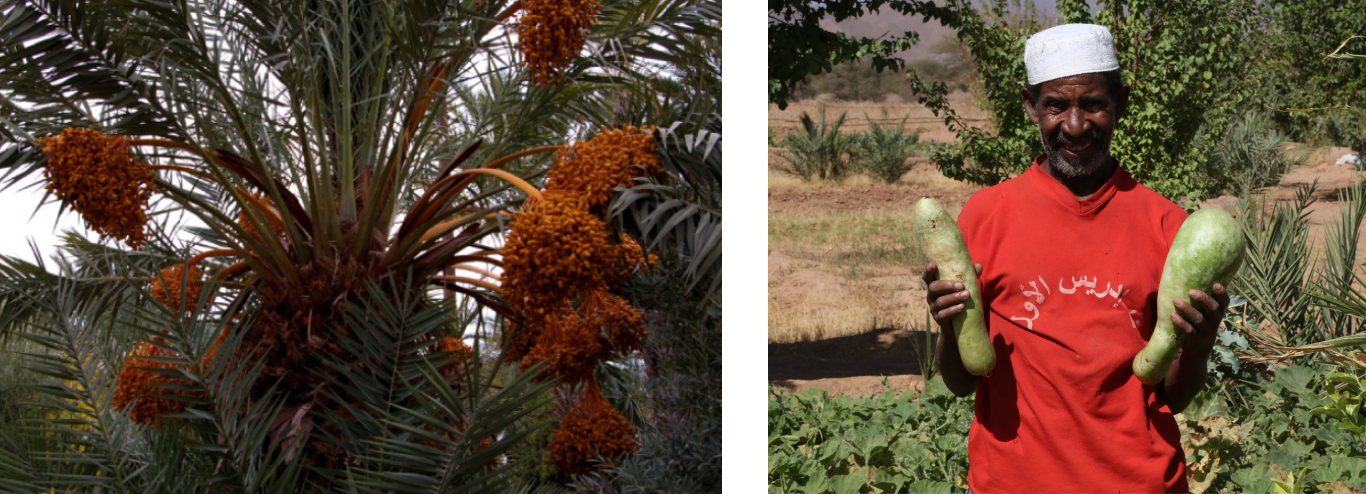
[
  {"x": 550, "y": 35},
  {"x": 609, "y": 160},
  {"x": 96, "y": 175},
  {"x": 592, "y": 429}
]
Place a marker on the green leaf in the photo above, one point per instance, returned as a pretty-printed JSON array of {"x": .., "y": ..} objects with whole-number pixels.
[
  {"x": 1206, "y": 405},
  {"x": 931, "y": 487},
  {"x": 849, "y": 483},
  {"x": 1354, "y": 468},
  {"x": 1295, "y": 378}
]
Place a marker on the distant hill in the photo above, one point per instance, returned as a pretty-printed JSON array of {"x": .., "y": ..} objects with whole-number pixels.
[{"x": 891, "y": 23}]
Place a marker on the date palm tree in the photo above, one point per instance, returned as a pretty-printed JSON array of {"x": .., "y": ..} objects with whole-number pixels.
[{"x": 306, "y": 209}]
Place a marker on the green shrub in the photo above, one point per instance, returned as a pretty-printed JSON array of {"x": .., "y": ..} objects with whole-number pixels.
[
  {"x": 1299, "y": 76},
  {"x": 1343, "y": 129},
  {"x": 818, "y": 150},
  {"x": 1186, "y": 63},
  {"x": 1242, "y": 432},
  {"x": 882, "y": 151},
  {"x": 1249, "y": 155}
]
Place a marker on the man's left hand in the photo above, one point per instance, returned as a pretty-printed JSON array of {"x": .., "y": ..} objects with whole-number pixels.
[{"x": 1200, "y": 319}]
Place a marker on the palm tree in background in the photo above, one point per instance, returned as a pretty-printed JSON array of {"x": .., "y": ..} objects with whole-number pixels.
[{"x": 378, "y": 194}]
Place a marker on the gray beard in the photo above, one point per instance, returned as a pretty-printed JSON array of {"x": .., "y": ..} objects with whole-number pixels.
[{"x": 1073, "y": 168}]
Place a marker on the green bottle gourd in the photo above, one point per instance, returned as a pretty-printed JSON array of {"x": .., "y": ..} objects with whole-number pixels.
[
  {"x": 943, "y": 244},
  {"x": 1208, "y": 249}
]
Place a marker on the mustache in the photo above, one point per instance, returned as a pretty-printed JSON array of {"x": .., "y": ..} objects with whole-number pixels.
[{"x": 1063, "y": 138}]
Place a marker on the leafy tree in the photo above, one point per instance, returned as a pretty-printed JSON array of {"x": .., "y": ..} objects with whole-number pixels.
[
  {"x": 1299, "y": 75},
  {"x": 799, "y": 48},
  {"x": 1186, "y": 62}
]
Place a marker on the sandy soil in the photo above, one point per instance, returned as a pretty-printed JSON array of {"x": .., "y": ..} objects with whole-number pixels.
[
  {"x": 855, "y": 365},
  {"x": 815, "y": 304},
  {"x": 1331, "y": 178}
]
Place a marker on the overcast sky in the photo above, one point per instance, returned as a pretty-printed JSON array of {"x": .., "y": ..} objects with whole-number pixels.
[{"x": 18, "y": 222}]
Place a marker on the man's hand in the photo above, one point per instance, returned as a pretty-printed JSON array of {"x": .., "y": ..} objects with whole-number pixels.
[
  {"x": 945, "y": 298},
  {"x": 1199, "y": 320}
]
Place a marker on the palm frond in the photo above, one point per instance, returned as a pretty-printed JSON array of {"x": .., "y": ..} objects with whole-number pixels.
[
  {"x": 227, "y": 425},
  {"x": 684, "y": 207},
  {"x": 439, "y": 445},
  {"x": 416, "y": 429},
  {"x": 1277, "y": 264},
  {"x": 93, "y": 272},
  {"x": 95, "y": 440},
  {"x": 57, "y": 61},
  {"x": 16, "y": 471}
]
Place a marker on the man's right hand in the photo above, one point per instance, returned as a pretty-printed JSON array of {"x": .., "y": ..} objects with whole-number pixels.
[{"x": 946, "y": 299}]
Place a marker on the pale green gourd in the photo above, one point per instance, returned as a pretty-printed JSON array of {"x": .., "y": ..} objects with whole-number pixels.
[
  {"x": 1208, "y": 249},
  {"x": 943, "y": 244}
]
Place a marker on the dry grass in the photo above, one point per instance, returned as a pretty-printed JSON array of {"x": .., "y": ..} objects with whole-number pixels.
[
  {"x": 847, "y": 269},
  {"x": 842, "y": 310},
  {"x": 923, "y": 176},
  {"x": 782, "y": 181},
  {"x": 811, "y": 300},
  {"x": 834, "y": 274},
  {"x": 848, "y": 241}
]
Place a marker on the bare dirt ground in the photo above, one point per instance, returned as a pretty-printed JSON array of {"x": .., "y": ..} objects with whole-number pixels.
[
  {"x": 918, "y": 119},
  {"x": 850, "y": 365},
  {"x": 868, "y": 197},
  {"x": 811, "y": 283},
  {"x": 1331, "y": 178}
]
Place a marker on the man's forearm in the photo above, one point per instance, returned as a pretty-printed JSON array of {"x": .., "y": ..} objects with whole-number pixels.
[
  {"x": 950, "y": 363},
  {"x": 1185, "y": 380}
]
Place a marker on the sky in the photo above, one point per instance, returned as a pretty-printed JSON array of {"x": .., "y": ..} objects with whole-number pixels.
[{"x": 21, "y": 218}]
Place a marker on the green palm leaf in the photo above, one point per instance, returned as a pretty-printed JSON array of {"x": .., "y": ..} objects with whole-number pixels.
[{"x": 684, "y": 207}]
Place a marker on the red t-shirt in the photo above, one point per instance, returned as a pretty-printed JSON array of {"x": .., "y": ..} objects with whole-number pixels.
[{"x": 1070, "y": 289}]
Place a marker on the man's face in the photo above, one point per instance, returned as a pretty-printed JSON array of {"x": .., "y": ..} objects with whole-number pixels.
[{"x": 1076, "y": 117}]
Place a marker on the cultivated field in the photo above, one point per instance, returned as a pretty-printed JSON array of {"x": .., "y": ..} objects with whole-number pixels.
[
  {"x": 844, "y": 289},
  {"x": 918, "y": 119}
]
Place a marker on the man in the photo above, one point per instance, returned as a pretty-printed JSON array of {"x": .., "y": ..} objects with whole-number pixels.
[{"x": 1069, "y": 256}]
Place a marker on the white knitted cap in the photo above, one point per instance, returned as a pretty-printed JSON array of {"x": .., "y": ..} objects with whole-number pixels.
[{"x": 1068, "y": 50}]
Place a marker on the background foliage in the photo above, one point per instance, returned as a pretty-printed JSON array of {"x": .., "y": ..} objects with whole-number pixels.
[
  {"x": 1297, "y": 75},
  {"x": 1196, "y": 68},
  {"x": 1177, "y": 90},
  {"x": 798, "y": 47},
  {"x": 856, "y": 80}
]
